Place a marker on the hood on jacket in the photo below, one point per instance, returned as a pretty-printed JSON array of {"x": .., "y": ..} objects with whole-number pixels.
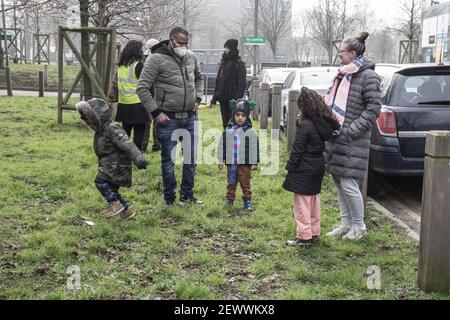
[
  {"x": 162, "y": 48},
  {"x": 368, "y": 64},
  {"x": 325, "y": 127},
  {"x": 96, "y": 111}
]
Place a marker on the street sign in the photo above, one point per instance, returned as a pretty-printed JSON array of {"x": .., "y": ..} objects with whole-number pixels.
[
  {"x": 8, "y": 37},
  {"x": 255, "y": 41}
]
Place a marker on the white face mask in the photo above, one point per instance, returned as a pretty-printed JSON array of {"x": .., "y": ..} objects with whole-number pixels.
[{"x": 180, "y": 51}]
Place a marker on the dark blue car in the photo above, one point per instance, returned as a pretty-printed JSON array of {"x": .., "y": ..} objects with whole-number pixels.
[{"x": 416, "y": 101}]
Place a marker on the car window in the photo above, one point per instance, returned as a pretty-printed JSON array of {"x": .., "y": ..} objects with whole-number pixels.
[
  {"x": 289, "y": 80},
  {"x": 420, "y": 90},
  {"x": 318, "y": 78}
]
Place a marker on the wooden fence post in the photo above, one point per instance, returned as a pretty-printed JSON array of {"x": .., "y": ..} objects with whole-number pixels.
[
  {"x": 434, "y": 260},
  {"x": 264, "y": 106},
  {"x": 45, "y": 75},
  {"x": 276, "y": 107},
  {"x": 41, "y": 83},
  {"x": 292, "y": 118},
  {"x": 257, "y": 98}
]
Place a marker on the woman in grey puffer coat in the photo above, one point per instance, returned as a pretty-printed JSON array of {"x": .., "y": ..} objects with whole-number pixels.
[{"x": 355, "y": 99}]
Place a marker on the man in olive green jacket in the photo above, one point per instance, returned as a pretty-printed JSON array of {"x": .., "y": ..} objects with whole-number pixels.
[{"x": 174, "y": 74}]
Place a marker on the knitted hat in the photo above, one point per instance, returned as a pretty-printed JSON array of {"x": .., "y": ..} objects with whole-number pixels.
[
  {"x": 242, "y": 105},
  {"x": 231, "y": 44}
]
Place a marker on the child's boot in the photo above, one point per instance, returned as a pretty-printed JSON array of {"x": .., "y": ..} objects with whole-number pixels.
[
  {"x": 127, "y": 214},
  {"x": 114, "y": 208},
  {"x": 248, "y": 205},
  {"x": 228, "y": 203}
]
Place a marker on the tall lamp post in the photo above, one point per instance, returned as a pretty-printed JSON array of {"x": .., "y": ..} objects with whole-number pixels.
[{"x": 256, "y": 48}]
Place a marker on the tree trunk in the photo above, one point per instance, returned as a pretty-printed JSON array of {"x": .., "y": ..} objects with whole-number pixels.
[
  {"x": 84, "y": 22},
  {"x": 103, "y": 44}
]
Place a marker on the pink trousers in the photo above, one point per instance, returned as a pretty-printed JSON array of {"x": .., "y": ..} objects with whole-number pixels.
[{"x": 307, "y": 216}]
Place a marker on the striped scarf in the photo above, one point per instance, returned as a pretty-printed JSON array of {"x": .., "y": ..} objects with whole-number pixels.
[{"x": 337, "y": 95}]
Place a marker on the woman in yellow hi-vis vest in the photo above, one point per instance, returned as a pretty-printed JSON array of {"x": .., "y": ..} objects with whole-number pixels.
[{"x": 130, "y": 111}]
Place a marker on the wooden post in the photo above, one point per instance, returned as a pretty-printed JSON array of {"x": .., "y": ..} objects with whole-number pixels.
[
  {"x": 41, "y": 83},
  {"x": 60, "y": 73},
  {"x": 8, "y": 81},
  {"x": 434, "y": 260},
  {"x": 264, "y": 106},
  {"x": 45, "y": 75},
  {"x": 276, "y": 107},
  {"x": 292, "y": 118},
  {"x": 257, "y": 97}
]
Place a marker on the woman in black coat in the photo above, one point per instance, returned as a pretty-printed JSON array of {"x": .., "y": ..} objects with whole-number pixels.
[
  {"x": 231, "y": 80},
  {"x": 306, "y": 164}
]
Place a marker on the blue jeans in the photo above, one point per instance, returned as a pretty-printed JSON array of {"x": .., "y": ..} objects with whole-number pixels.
[
  {"x": 110, "y": 191},
  {"x": 169, "y": 134}
]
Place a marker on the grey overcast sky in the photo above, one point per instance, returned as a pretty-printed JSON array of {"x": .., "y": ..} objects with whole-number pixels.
[{"x": 388, "y": 10}]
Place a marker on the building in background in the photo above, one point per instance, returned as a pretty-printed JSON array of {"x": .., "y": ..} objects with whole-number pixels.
[{"x": 435, "y": 32}]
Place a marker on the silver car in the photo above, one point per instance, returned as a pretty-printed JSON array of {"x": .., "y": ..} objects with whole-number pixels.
[{"x": 317, "y": 78}]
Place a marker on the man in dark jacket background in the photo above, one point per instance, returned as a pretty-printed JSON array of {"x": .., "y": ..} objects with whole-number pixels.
[
  {"x": 231, "y": 80},
  {"x": 174, "y": 73}
]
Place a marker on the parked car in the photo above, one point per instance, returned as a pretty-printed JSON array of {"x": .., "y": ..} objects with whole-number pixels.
[
  {"x": 318, "y": 79},
  {"x": 416, "y": 100},
  {"x": 274, "y": 76}
]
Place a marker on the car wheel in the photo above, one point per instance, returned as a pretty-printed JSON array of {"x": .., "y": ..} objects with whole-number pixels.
[{"x": 374, "y": 182}]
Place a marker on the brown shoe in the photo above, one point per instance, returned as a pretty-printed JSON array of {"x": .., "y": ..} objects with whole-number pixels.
[
  {"x": 114, "y": 208},
  {"x": 127, "y": 214}
]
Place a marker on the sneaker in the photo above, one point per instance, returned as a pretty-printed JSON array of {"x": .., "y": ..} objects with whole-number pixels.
[
  {"x": 169, "y": 203},
  {"x": 127, "y": 214},
  {"x": 355, "y": 234},
  {"x": 114, "y": 208},
  {"x": 184, "y": 201},
  {"x": 228, "y": 203},
  {"x": 338, "y": 232},
  {"x": 299, "y": 242},
  {"x": 248, "y": 205}
]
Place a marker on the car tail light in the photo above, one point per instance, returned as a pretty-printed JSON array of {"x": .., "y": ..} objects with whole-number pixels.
[{"x": 386, "y": 123}]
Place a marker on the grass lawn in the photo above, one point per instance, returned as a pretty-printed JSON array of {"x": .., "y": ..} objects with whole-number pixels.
[
  {"x": 47, "y": 191},
  {"x": 26, "y": 75}
]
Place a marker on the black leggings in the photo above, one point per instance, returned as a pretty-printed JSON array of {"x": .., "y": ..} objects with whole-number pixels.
[
  {"x": 226, "y": 112},
  {"x": 139, "y": 130}
]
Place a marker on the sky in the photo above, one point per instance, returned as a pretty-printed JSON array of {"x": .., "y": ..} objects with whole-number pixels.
[{"x": 388, "y": 10}]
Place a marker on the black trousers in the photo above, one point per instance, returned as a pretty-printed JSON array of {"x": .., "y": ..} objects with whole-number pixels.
[
  {"x": 139, "y": 130},
  {"x": 226, "y": 112}
]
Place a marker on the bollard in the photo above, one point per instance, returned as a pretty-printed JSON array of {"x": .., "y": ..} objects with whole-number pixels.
[
  {"x": 257, "y": 98},
  {"x": 45, "y": 75},
  {"x": 41, "y": 83},
  {"x": 276, "y": 107},
  {"x": 264, "y": 106},
  {"x": 434, "y": 259},
  {"x": 292, "y": 118}
]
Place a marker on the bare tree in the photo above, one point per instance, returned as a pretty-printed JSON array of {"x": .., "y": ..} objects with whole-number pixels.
[
  {"x": 301, "y": 42},
  {"x": 381, "y": 45},
  {"x": 330, "y": 21},
  {"x": 325, "y": 24},
  {"x": 274, "y": 20},
  {"x": 410, "y": 19}
]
